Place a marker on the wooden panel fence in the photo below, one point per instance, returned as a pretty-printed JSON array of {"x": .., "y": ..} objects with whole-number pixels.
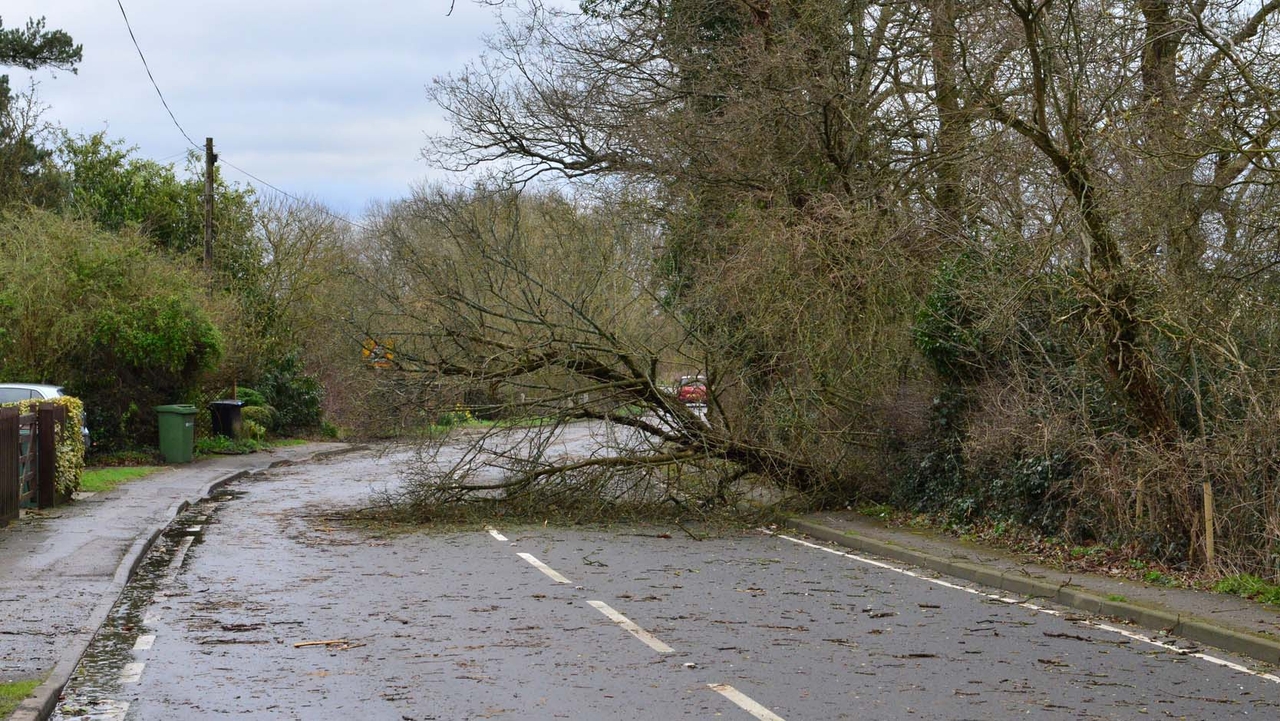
[{"x": 28, "y": 459}]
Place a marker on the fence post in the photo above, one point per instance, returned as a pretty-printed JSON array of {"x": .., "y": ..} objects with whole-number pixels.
[
  {"x": 47, "y": 463},
  {"x": 9, "y": 481}
]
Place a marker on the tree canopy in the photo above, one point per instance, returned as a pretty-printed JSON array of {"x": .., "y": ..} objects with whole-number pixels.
[{"x": 33, "y": 47}]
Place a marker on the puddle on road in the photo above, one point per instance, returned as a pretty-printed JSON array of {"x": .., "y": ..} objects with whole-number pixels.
[
  {"x": 222, "y": 495},
  {"x": 95, "y": 691}
]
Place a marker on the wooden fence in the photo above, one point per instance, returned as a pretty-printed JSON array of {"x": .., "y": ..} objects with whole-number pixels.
[{"x": 28, "y": 459}]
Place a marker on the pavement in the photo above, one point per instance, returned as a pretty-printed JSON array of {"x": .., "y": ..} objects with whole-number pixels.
[
  {"x": 1230, "y": 623},
  {"x": 63, "y": 569}
]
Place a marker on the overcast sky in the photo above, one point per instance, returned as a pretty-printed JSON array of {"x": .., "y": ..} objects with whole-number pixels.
[{"x": 324, "y": 98}]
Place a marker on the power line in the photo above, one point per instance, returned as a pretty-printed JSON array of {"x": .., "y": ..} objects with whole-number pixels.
[
  {"x": 153, "y": 78},
  {"x": 178, "y": 125},
  {"x": 293, "y": 197}
]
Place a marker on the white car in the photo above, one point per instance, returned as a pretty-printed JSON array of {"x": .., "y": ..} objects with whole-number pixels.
[{"x": 15, "y": 392}]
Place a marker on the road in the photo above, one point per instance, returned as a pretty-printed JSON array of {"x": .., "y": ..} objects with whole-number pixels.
[{"x": 257, "y": 604}]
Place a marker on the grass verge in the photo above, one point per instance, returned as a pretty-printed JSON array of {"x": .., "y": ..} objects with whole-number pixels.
[
  {"x": 1251, "y": 587},
  {"x": 12, "y": 694},
  {"x": 96, "y": 480}
]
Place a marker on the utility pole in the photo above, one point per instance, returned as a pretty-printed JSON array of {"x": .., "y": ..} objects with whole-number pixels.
[{"x": 209, "y": 159}]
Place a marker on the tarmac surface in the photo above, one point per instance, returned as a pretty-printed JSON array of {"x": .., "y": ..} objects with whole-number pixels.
[
  {"x": 1229, "y": 622},
  {"x": 62, "y": 569},
  {"x": 258, "y": 603},
  {"x": 253, "y": 601}
]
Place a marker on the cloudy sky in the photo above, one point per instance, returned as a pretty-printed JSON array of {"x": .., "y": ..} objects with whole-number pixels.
[{"x": 324, "y": 98}]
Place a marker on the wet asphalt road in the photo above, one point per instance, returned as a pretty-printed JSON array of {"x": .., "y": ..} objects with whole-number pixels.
[{"x": 462, "y": 626}]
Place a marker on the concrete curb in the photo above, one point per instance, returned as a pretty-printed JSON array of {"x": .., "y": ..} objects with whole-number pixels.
[
  {"x": 1074, "y": 596},
  {"x": 42, "y": 701}
]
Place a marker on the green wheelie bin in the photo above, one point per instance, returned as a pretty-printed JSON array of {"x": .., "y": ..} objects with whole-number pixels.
[{"x": 177, "y": 432}]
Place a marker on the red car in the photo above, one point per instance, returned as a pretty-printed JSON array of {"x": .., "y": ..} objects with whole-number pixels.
[{"x": 692, "y": 390}]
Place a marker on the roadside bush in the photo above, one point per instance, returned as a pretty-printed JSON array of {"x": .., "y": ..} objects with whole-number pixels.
[
  {"x": 116, "y": 322},
  {"x": 294, "y": 394},
  {"x": 254, "y": 431},
  {"x": 264, "y": 416},
  {"x": 250, "y": 397}
]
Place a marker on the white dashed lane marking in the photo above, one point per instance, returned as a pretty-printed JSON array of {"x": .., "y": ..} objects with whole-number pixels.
[
  {"x": 630, "y": 627},
  {"x": 132, "y": 672},
  {"x": 493, "y": 532},
  {"x": 144, "y": 642},
  {"x": 745, "y": 702},
  {"x": 551, "y": 573}
]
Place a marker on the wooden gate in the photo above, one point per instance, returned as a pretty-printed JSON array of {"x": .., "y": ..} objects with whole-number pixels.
[{"x": 28, "y": 459}]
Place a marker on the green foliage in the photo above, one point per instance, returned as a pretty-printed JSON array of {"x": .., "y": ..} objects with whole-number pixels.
[
  {"x": 105, "y": 315},
  {"x": 221, "y": 445},
  {"x": 1249, "y": 586},
  {"x": 166, "y": 332},
  {"x": 28, "y": 173},
  {"x": 460, "y": 415},
  {"x": 293, "y": 393},
  {"x": 250, "y": 397},
  {"x": 945, "y": 329},
  {"x": 1027, "y": 490},
  {"x": 264, "y": 416},
  {"x": 875, "y": 510},
  {"x": 33, "y": 48},
  {"x": 119, "y": 191},
  {"x": 253, "y": 431}
]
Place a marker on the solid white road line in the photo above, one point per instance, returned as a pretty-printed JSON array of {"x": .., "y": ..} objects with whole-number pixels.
[
  {"x": 745, "y": 702},
  {"x": 543, "y": 567},
  {"x": 1013, "y": 601},
  {"x": 144, "y": 642},
  {"x": 132, "y": 672},
  {"x": 494, "y": 532},
  {"x": 1194, "y": 654},
  {"x": 630, "y": 627}
]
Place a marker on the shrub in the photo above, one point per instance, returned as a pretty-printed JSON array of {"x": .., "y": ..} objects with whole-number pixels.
[
  {"x": 264, "y": 416},
  {"x": 293, "y": 393},
  {"x": 105, "y": 315},
  {"x": 252, "y": 430},
  {"x": 458, "y": 416},
  {"x": 250, "y": 397}
]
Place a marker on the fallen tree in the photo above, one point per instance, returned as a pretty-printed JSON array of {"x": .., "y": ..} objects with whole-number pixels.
[{"x": 550, "y": 314}]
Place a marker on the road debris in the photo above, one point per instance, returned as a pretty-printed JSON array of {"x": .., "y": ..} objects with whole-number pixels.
[{"x": 338, "y": 644}]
